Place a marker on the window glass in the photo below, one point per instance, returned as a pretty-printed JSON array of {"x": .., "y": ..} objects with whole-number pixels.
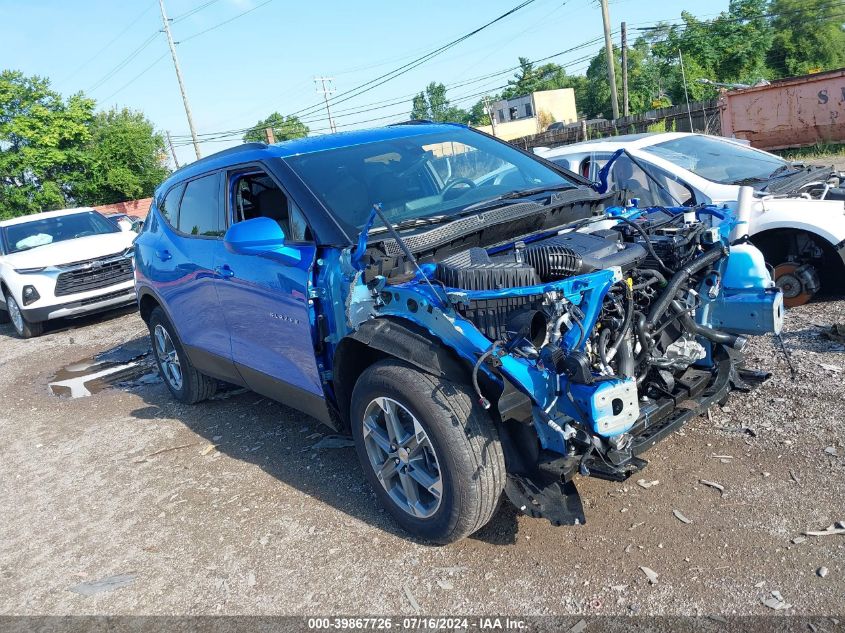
[
  {"x": 719, "y": 160},
  {"x": 419, "y": 176},
  {"x": 256, "y": 195},
  {"x": 170, "y": 205},
  {"x": 27, "y": 235},
  {"x": 625, "y": 175},
  {"x": 199, "y": 213}
]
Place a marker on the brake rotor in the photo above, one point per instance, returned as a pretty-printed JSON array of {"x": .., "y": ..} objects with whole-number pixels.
[{"x": 798, "y": 282}]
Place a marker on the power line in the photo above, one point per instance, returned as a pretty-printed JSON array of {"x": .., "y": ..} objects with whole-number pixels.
[
  {"x": 110, "y": 42},
  {"x": 230, "y": 135},
  {"x": 188, "y": 14},
  {"x": 405, "y": 68},
  {"x": 123, "y": 63},
  {"x": 135, "y": 78},
  {"x": 224, "y": 22},
  {"x": 400, "y": 100}
]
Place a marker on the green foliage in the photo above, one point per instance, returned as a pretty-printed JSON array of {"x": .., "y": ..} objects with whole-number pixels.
[
  {"x": 124, "y": 159},
  {"x": 808, "y": 35},
  {"x": 284, "y": 129},
  {"x": 432, "y": 105},
  {"x": 58, "y": 153},
  {"x": 42, "y": 140}
]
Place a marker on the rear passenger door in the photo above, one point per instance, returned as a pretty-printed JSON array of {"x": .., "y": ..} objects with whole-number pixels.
[
  {"x": 185, "y": 255},
  {"x": 265, "y": 299}
]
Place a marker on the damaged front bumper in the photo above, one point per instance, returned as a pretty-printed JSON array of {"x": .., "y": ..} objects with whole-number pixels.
[{"x": 546, "y": 488}]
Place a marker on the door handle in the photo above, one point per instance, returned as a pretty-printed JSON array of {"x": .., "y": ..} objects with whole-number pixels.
[
  {"x": 224, "y": 271},
  {"x": 163, "y": 255}
]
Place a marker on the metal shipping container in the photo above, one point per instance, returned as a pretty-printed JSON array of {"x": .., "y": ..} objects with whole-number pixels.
[{"x": 793, "y": 112}]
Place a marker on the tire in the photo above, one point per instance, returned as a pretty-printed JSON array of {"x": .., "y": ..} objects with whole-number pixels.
[
  {"x": 192, "y": 386},
  {"x": 459, "y": 436},
  {"x": 24, "y": 328}
]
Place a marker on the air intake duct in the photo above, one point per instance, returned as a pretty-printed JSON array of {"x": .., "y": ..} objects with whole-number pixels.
[{"x": 553, "y": 262}]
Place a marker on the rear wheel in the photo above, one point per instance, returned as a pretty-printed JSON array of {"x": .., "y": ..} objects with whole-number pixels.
[
  {"x": 185, "y": 383},
  {"x": 24, "y": 328},
  {"x": 430, "y": 453}
]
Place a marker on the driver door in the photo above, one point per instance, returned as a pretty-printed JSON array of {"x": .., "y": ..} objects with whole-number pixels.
[{"x": 264, "y": 296}]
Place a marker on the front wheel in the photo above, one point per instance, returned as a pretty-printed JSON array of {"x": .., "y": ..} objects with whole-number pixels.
[
  {"x": 24, "y": 328},
  {"x": 430, "y": 453},
  {"x": 185, "y": 383}
]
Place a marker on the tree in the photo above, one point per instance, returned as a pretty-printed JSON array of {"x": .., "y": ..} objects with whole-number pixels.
[
  {"x": 42, "y": 141},
  {"x": 285, "y": 128},
  {"x": 808, "y": 36},
  {"x": 730, "y": 48},
  {"x": 124, "y": 159},
  {"x": 432, "y": 105}
]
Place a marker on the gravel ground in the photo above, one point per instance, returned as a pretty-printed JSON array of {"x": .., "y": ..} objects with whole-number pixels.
[{"x": 123, "y": 484}]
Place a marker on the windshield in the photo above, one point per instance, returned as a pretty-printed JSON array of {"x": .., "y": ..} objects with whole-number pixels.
[
  {"x": 20, "y": 237},
  {"x": 426, "y": 176},
  {"x": 718, "y": 160}
]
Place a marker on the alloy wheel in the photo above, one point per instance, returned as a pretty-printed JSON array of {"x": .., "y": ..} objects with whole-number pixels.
[
  {"x": 167, "y": 357},
  {"x": 402, "y": 457},
  {"x": 15, "y": 313}
]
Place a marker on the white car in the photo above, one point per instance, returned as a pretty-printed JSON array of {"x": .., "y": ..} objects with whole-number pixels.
[
  {"x": 798, "y": 212},
  {"x": 62, "y": 264}
]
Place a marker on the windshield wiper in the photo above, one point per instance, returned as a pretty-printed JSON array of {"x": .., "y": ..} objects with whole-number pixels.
[
  {"x": 526, "y": 193},
  {"x": 516, "y": 195}
]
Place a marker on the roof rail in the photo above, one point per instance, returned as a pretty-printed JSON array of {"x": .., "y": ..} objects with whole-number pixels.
[{"x": 237, "y": 149}]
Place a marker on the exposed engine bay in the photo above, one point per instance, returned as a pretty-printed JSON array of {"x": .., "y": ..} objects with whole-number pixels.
[{"x": 588, "y": 342}]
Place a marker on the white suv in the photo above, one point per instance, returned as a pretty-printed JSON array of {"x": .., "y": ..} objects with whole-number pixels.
[{"x": 60, "y": 264}]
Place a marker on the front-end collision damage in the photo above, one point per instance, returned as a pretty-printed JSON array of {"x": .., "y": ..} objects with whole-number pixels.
[{"x": 582, "y": 370}]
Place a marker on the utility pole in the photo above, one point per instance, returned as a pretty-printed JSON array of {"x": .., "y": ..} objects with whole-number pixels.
[
  {"x": 625, "y": 110},
  {"x": 489, "y": 109},
  {"x": 686, "y": 94},
  {"x": 166, "y": 23},
  {"x": 611, "y": 71},
  {"x": 269, "y": 135},
  {"x": 326, "y": 92},
  {"x": 172, "y": 150}
]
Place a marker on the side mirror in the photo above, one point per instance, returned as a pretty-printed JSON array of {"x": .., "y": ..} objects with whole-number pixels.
[{"x": 254, "y": 236}]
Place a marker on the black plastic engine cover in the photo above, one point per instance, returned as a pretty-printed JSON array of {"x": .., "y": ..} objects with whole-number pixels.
[
  {"x": 473, "y": 269},
  {"x": 599, "y": 250}
]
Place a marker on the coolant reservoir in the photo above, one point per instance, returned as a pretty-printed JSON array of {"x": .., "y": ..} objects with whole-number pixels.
[{"x": 746, "y": 268}]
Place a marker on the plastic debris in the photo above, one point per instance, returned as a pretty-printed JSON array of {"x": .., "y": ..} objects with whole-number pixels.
[
  {"x": 798, "y": 540},
  {"x": 333, "y": 441},
  {"x": 650, "y": 574},
  {"x": 830, "y": 530},
  {"x": 578, "y": 627},
  {"x": 110, "y": 583},
  {"x": 835, "y": 333},
  {"x": 822, "y": 572},
  {"x": 411, "y": 599},
  {"x": 831, "y": 450},
  {"x": 776, "y": 602},
  {"x": 208, "y": 449},
  {"x": 713, "y": 484},
  {"x": 642, "y": 483},
  {"x": 680, "y": 517}
]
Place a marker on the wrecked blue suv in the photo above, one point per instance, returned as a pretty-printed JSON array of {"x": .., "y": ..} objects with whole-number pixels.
[{"x": 479, "y": 320}]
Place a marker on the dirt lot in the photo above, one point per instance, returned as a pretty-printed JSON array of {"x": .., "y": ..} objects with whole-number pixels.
[{"x": 123, "y": 482}]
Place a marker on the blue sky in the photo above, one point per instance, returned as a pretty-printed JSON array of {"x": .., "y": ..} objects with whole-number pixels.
[{"x": 266, "y": 59}]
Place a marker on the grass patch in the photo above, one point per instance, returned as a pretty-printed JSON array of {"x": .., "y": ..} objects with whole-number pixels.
[{"x": 819, "y": 150}]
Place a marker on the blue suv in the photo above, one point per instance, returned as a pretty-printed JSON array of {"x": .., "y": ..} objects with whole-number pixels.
[{"x": 478, "y": 319}]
